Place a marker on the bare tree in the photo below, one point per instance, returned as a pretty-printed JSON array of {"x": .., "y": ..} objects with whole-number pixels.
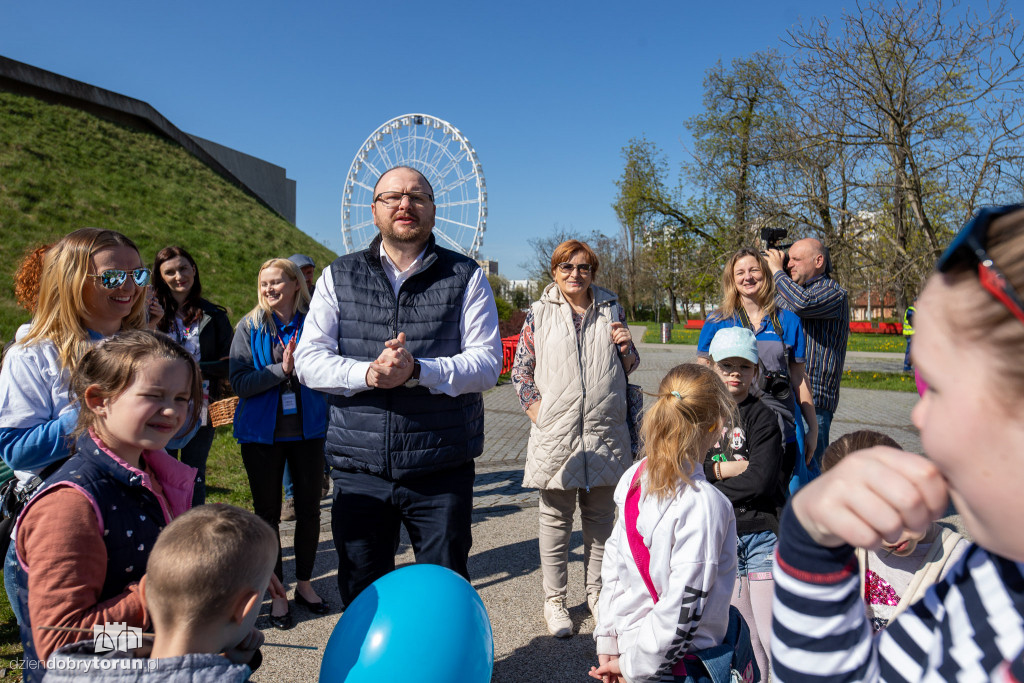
[{"x": 931, "y": 100}]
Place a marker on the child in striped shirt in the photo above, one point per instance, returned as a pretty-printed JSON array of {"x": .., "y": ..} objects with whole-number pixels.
[
  {"x": 899, "y": 573},
  {"x": 969, "y": 626}
]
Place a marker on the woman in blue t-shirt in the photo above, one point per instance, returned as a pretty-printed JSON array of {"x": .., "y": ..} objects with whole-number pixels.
[{"x": 748, "y": 300}]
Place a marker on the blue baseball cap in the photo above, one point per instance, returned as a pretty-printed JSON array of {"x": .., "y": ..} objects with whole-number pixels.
[
  {"x": 301, "y": 260},
  {"x": 734, "y": 342}
]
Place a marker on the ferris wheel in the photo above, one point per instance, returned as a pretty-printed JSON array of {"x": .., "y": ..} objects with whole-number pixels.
[{"x": 438, "y": 150}]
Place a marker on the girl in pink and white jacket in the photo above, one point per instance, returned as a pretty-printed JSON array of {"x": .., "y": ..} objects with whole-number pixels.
[{"x": 682, "y": 528}]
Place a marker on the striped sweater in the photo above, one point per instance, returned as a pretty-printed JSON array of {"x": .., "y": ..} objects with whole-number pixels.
[
  {"x": 824, "y": 309},
  {"x": 966, "y": 628}
]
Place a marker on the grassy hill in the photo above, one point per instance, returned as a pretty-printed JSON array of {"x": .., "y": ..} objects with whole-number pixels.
[{"x": 63, "y": 169}]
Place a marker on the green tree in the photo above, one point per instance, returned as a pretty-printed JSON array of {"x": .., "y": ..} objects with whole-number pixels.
[{"x": 736, "y": 144}]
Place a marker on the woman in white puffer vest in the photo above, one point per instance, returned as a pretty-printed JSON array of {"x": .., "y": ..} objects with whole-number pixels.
[{"x": 570, "y": 371}]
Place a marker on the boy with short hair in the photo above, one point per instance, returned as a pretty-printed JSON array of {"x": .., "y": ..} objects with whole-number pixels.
[{"x": 203, "y": 588}]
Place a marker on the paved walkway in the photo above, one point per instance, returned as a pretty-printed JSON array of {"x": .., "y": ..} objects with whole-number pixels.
[{"x": 505, "y": 564}]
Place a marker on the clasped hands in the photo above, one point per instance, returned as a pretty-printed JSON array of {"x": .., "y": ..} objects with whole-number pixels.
[{"x": 393, "y": 366}]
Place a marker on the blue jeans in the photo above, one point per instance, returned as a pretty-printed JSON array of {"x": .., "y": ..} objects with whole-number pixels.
[
  {"x": 289, "y": 487},
  {"x": 824, "y": 425},
  {"x": 754, "y": 553},
  {"x": 10, "y": 584},
  {"x": 716, "y": 662},
  {"x": 907, "y": 366}
]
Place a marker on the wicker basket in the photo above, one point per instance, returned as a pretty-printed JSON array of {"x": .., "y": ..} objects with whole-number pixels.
[{"x": 223, "y": 412}]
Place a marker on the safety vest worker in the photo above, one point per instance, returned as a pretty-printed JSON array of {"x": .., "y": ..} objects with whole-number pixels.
[{"x": 908, "y": 328}]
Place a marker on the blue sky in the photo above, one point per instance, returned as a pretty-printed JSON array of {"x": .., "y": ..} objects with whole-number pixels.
[{"x": 547, "y": 92}]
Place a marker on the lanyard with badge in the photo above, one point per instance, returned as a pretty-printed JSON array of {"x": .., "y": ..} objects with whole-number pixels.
[{"x": 289, "y": 402}]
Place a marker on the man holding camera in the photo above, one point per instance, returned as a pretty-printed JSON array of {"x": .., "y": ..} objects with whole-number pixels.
[{"x": 823, "y": 306}]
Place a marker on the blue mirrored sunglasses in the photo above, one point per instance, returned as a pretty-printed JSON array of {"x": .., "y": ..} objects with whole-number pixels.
[
  {"x": 968, "y": 247},
  {"x": 113, "y": 278}
]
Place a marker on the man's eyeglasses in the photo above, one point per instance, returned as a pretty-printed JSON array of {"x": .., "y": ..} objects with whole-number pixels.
[
  {"x": 113, "y": 278},
  {"x": 568, "y": 268},
  {"x": 392, "y": 199},
  {"x": 969, "y": 247}
]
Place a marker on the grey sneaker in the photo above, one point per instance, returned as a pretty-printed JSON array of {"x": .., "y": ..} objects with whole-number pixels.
[
  {"x": 288, "y": 510},
  {"x": 557, "y": 617},
  {"x": 592, "y": 602}
]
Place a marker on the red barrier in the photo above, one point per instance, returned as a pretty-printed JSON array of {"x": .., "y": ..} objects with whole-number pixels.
[{"x": 508, "y": 352}]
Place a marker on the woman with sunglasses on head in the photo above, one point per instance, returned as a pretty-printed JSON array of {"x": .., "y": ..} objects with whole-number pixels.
[
  {"x": 570, "y": 373},
  {"x": 93, "y": 285},
  {"x": 279, "y": 420},
  {"x": 204, "y": 330},
  {"x": 968, "y": 336}
]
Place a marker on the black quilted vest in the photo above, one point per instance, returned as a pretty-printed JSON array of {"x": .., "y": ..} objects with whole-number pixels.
[{"x": 402, "y": 433}]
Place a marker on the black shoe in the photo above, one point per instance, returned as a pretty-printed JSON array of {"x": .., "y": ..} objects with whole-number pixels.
[
  {"x": 314, "y": 607},
  {"x": 283, "y": 622}
]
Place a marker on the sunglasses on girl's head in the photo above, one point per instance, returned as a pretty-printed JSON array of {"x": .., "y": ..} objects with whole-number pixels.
[
  {"x": 969, "y": 247},
  {"x": 113, "y": 278}
]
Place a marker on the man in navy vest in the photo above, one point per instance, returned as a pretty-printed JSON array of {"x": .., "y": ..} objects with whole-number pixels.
[{"x": 403, "y": 335}]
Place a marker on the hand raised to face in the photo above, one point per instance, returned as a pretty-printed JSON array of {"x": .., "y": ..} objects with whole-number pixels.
[{"x": 871, "y": 496}]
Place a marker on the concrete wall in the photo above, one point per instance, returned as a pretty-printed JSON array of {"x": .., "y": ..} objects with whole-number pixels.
[
  {"x": 260, "y": 179},
  {"x": 266, "y": 179}
]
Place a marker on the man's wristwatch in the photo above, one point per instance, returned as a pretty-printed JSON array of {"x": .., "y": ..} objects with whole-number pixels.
[{"x": 414, "y": 381}]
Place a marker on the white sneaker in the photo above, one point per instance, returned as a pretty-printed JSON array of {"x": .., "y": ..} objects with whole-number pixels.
[
  {"x": 557, "y": 617},
  {"x": 592, "y": 602}
]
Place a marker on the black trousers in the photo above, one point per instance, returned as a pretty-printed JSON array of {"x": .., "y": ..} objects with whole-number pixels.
[
  {"x": 368, "y": 512},
  {"x": 264, "y": 463}
]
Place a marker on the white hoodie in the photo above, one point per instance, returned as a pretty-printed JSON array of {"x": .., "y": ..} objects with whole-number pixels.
[{"x": 692, "y": 539}]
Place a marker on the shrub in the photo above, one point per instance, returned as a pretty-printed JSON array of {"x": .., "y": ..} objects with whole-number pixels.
[{"x": 513, "y": 325}]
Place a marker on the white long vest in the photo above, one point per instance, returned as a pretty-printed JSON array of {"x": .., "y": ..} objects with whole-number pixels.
[{"x": 580, "y": 438}]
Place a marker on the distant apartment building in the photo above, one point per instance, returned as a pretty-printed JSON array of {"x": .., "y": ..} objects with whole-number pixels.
[{"x": 489, "y": 267}]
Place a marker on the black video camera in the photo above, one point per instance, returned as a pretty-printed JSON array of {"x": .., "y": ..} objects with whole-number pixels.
[{"x": 772, "y": 237}]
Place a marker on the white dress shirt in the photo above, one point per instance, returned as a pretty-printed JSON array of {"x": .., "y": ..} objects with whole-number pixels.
[{"x": 319, "y": 365}]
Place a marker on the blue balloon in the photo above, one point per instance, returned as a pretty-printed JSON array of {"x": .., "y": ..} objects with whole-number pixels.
[{"x": 422, "y": 622}]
